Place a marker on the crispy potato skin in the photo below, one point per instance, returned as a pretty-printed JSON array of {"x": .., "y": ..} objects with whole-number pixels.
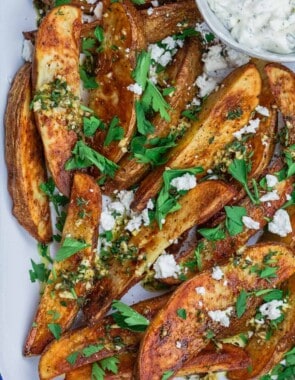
[
  {"x": 197, "y": 206},
  {"x": 265, "y": 354},
  {"x": 282, "y": 84},
  {"x": 122, "y": 27},
  {"x": 57, "y": 54},
  {"x": 167, "y": 327},
  {"x": 220, "y": 251},
  {"x": 53, "y": 360},
  {"x": 240, "y": 89},
  {"x": 78, "y": 228},
  {"x": 186, "y": 67},
  {"x": 169, "y": 19},
  {"x": 25, "y": 160}
]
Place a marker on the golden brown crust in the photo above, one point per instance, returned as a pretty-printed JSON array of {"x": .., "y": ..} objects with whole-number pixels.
[
  {"x": 83, "y": 228},
  {"x": 57, "y": 55},
  {"x": 25, "y": 160}
]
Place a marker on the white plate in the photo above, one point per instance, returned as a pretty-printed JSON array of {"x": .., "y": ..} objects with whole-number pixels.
[{"x": 18, "y": 297}]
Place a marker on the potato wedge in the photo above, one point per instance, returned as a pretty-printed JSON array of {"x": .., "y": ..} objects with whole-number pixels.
[
  {"x": 56, "y": 83},
  {"x": 57, "y": 306},
  {"x": 210, "y": 359},
  {"x": 169, "y": 19},
  {"x": 216, "y": 253},
  {"x": 265, "y": 354},
  {"x": 187, "y": 67},
  {"x": 197, "y": 206},
  {"x": 282, "y": 84},
  {"x": 241, "y": 90},
  {"x": 122, "y": 27},
  {"x": 167, "y": 328},
  {"x": 25, "y": 160},
  {"x": 54, "y": 362}
]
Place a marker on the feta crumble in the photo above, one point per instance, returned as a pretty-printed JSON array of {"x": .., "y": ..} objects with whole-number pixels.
[
  {"x": 213, "y": 59},
  {"x": 217, "y": 273},
  {"x": 28, "y": 50},
  {"x": 250, "y": 223},
  {"x": 250, "y": 128},
  {"x": 270, "y": 196},
  {"x": 271, "y": 310},
  {"x": 205, "y": 84},
  {"x": 98, "y": 11},
  {"x": 185, "y": 182},
  {"x": 221, "y": 316},
  {"x": 107, "y": 221},
  {"x": 271, "y": 180},
  {"x": 136, "y": 88},
  {"x": 280, "y": 224},
  {"x": 262, "y": 111},
  {"x": 201, "y": 290},
  {"x": 166, "y": 266},
  {"x": 150, "y": 11}
]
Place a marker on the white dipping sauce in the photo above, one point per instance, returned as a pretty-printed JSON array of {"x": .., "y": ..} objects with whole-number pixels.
[{"x": 259, "y": 24}]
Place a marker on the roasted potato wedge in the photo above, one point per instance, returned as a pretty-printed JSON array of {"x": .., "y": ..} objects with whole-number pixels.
[
  {"x": 25, "y": 160},
  {"x": 54, "y": 362},
  {"x": 282, "y": 84},
  {"x": 167, "y": 328},
  {"x": 122, "y": 27},
  {"x": 210, "y": 359},
  {"x": 219, "y": 252},
  {"x": 57, "y": 306},
  {"x": 211, "y": 132},
  {"x": 197, "y": 206},
  {"x": 56, "y": 83},
  {"x": 187, "y": 67},
  {"x": 169, "y": 19},
  {"x": 264, "y": 353}
]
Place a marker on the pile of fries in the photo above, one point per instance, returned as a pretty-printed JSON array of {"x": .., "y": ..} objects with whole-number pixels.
[{"x": 170, "y": 184}]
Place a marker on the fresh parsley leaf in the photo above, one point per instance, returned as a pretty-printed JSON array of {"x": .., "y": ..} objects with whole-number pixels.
[
  {"x": 91, "y": 124},
  {"x": 85, "y": 157},
  {"x": 115, "y": 132},
  {"x": 128, "y": 318},
  {"x": 140, "y": 73},
  {"x": 55, "y": 314},
  {"x": 291, "y": 201},
  {"x": 197, "y": 260},
  {"x": 88, "y": 44},
  {"x": 144, "y": 126},
  {"x": 138, "y": 2},
  {"x": 72, "y": 357},
  {"x": 39, "y": 272},
  {"x": 181, "y": 313},
  {"x": 239, "y": 170},
  {"x": 99, "y": 34},
  {"x": 268, "y": 272},
  {"x": 209, "y": 37},
  {"x": 166, "y": 375},
  {"x": 69, "y": 247},
  {"x": 43, "y": 250},
  {"x": 97, "y": 373},
  {"x": 234, "y": 113},
  {"x": 56, "y": 199},
  {"x": 153, "y": 98},
  {"x": 213, "y": 234},
  {"x": 58, "y": 3},
  {"x": 55, "y": 329},
  {"x": 210, "y": 334},
  {"x": 89, "y": 81},
  {"x": 233, "y": 220},
  {"x": 168, "y": 90},
  {"x": 92, "y": 349},
  {"x": 110, "y": 364},
  {"x": 241, "y": 303}
]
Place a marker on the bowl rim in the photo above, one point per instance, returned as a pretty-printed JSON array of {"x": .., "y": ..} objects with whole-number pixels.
[{"x": 224, "y": 35}]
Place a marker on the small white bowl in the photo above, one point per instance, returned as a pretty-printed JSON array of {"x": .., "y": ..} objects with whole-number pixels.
[{"x": 220, "y": 31}]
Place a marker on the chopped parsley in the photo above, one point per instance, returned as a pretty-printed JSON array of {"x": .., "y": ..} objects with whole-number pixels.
[
  {"x": 127, "y": 318},
  {"x": 92, "y": 349},
  {"x": 115, "y": 132},
  {"x": 285, "y": 370},
  {"x": 88, "y": 80},
  {"x": 55, "y": 198},
  {"x": 39, "y": 272},
  {"x": 181, "y": 313},
  {"x": 233, "y": 222},
  {"x": 69, "y": 247},
  {"x": 91, "y": 124},
  {"x": 72, "y": 358},
  {"x": 234, "y": 113},
  {"x": 166, "y": 375},
  {"x": 55, "y": 329},
  {"x": 197, "y": 259},
  {"x": 107, "y": 364},
  {"x": 213, "y": 234}
]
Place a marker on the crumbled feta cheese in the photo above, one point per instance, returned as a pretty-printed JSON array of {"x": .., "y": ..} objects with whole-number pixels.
[
  {"x": 165, "y": 59},
  {"x": 213, "y": 59},
  {"x": 90, "y": 1},
  {"x": 221, "y": 316},
  {"x": 288, "y": 197},
  {"x": 250, "y": 128},
  {"x": 271, "y": 309},
  {"x": 185, "y": 182},
  {"x": 262, "y": 111},
  {"x": 98, "y": 11},
  {"x": 271, "y": 180},
  {"x": 201, "y": 290},
  {"x": 134, "y": 223},
  {"x": 205, "y": 84},
  {"x": 155, "y": 3},
  {"x": 126, "y": 198},
  {"x": 28, "y": 50},
  {"x": 169, "y": 42},
  {"x": 150, "y": 11},
  {"x": 200, "y": 303},
  {"x": 156, "y": 51},
  {"x": 203, "y": 29},
  {"x": 270, "y": 196},
  {"x": 178, "y": 344},
  {"x": 166, "y": 266},
  {"x": 145, "y": 217},
  {"x": 280, "y": 224},
  {"x": 136, "y": 88},
  {"x": 217, "y": 273},
  {"x": 150, "y": 205},
  {"x": 250, "y": 223},
  {"x": 234, "y": 58},
  {"x": 107, "y": 221}
]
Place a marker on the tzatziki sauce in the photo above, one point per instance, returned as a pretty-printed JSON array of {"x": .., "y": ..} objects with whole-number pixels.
[{"x": 259, "y": 24}]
